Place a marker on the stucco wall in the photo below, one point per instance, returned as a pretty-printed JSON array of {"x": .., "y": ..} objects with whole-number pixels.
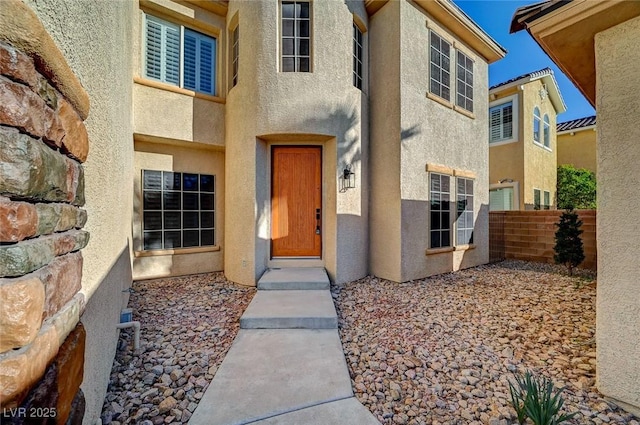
[
  {"x": 180, "y": 157},
  {"x": 578, "y": 149},
  {"x": 385, "y": 226},
  {"x": 437, "y": 134},
  {"x": 271, "y": 107},
  {"x": 96, "y": 42},
  {"x": 540, "y": 163},
  {"x": 617, "y": 301}
]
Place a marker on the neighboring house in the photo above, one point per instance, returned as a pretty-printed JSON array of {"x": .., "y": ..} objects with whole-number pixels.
[
  {"x": 522, "y": 142},
  {"x": 577, "y": 143},
  {"x": 602, "y": 61},
  {"x": 311, "y": 129}
]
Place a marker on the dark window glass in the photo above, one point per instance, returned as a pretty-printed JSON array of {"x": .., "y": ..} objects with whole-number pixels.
[
  {"x": 172, "y": 239},
  {"x": 152, "y": 180},
  {"x": 190, "y": 182},
  {"x": 152, "y": 220},
  {"x": 190, "y": 220},
  {"x": 152, "y": 240},
  {"x": 207, "y": 183},
  {"x": 171, "y": 200},
  {"x": 172, "y": 220},
  {"x": 190, "y": 201},
  {"x": 176, "y": 202},
  {"x": 171, "y": 181},
  {"x": 152, "y": 200},
  {"x": 206, "y": 237},
  {"x": 206, "y": 219},
  {"x": 190, "y": 238}
]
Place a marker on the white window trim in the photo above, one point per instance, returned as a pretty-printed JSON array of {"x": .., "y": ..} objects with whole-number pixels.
[
  {"x": 516, "y": 115},
  {"x": 534, "y": 199},
  {"x": 473, "y": 210}
]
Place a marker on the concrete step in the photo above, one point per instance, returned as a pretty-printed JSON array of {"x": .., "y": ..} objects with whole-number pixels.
[
  {"x": 295, "y": 278},
  {"x": 290, "y": 310}
]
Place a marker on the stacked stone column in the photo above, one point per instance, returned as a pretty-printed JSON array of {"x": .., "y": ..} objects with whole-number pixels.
[{"x": 43, "y": 143}]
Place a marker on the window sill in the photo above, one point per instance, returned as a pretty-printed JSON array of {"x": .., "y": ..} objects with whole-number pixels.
[
  {"x": 464, "y": 247},
  {"x": 464, "y": 112},
  {"x": 433, "y": 251},
  {"x": 448, "y": 104},
  {"x": 502, "y": 142},
  {"x": 540, "y": 145},
  {"x": 168, "y": 87},
  {"x": 179, "y": 251},
  {"x": 440, "y": 100}
]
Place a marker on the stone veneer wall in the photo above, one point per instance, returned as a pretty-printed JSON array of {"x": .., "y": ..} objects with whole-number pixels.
[
  {"x": 43, "y": 143},
  {"x": 530, "y": 235}
]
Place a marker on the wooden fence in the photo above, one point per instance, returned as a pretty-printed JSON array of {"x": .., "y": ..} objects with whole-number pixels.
[{"x": 530, "y": 235}]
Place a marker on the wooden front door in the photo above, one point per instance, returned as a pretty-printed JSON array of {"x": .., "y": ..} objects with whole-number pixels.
[{"x": 296, "y": 201}]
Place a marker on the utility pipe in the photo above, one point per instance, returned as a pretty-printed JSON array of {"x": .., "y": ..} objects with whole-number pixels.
[{"x": 136, "y": 332}]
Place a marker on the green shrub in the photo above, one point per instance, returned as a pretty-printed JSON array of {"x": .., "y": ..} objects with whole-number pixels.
[
  {"x": 576, "y": 188},
  {"x": 568, "y": 248},
  {"x": 537, "y": 399}
]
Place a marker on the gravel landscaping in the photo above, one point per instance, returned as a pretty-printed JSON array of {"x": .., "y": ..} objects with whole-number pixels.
[
  {"x": 441, "y": 350},
  {"x": 188, "y": 324}
]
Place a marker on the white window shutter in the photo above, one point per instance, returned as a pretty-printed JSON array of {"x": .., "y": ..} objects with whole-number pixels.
[
  {"x": 172, "y": 54},
  {"x": 153, "y": 55},
  {"x": 190, "y": 60},
  {"x": 495, "y": 125},
  {"x": 207, "y": 54}
]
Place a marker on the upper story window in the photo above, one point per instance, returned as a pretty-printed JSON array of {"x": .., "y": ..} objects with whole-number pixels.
[
  {"x": 440, "y": 210},
  {"x": 296, "y": 36},
  {"x": 536, "y": 124},
  {"x": 464, "y": 78},
  {"x": 358, "y": 56},
  {"x": 178, "y": 210},
  {"x": 545, "y": 132},
  {"x": 501, "y": 119},
  {"x": 440, "y": 66},
  {"x": 235, "y": 55},
  {"x": 179, "y": 56}
]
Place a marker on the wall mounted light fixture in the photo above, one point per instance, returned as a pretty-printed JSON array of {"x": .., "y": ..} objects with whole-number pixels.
[{"x": 348, "y": 179}]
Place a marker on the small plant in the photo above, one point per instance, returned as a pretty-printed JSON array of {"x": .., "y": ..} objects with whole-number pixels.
[
  {"x": 537, "y": 399},
  {"x": 568, "y": 246}
]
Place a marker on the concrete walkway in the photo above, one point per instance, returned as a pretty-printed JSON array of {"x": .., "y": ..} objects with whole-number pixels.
[{"x": 286, "y": 365}]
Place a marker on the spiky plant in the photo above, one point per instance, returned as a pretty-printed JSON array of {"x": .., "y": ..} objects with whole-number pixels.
[{"x": 537, "y": 399}]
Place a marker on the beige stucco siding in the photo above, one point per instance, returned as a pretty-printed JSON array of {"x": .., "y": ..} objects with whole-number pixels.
[
  {"x": 578, "y": 149},
  {"x": 618, "y": 106},
  {"x": 385, "y": 219},
  {"x": 179, "y": 157},
  {"x": 270, "y": 107},
  {"x": 96, "y": 42},
  {"x": 540, "y": 163},
  {"x": 434, "y": 133}
]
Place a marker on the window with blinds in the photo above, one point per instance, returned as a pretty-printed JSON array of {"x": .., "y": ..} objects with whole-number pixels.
[
  {"x": 178, "y": 210},
  {"x": 179, "y": 56},
  {"x": 501, "y": 119},
  {"x": 501, "y": 199}
]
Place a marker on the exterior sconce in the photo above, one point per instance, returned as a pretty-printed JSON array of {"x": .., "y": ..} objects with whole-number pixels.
[{"x": 348, "y": 179}]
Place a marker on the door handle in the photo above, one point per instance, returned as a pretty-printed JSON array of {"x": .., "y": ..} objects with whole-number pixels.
[{"x": 318, "y": 216}]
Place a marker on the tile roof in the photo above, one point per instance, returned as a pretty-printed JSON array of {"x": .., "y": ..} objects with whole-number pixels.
[
  {"x": 576, "y": 124},
  {"x": 534, "y": 74}
]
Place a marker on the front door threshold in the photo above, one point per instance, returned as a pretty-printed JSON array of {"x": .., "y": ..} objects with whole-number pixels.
[{"x": 288, "y": 262}]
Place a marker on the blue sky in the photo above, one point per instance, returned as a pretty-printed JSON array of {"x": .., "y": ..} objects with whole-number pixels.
[{"x": 524, "y": 55}]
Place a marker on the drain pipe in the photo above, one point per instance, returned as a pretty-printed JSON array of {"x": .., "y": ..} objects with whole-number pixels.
[{"x": 136, "y": 332}]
